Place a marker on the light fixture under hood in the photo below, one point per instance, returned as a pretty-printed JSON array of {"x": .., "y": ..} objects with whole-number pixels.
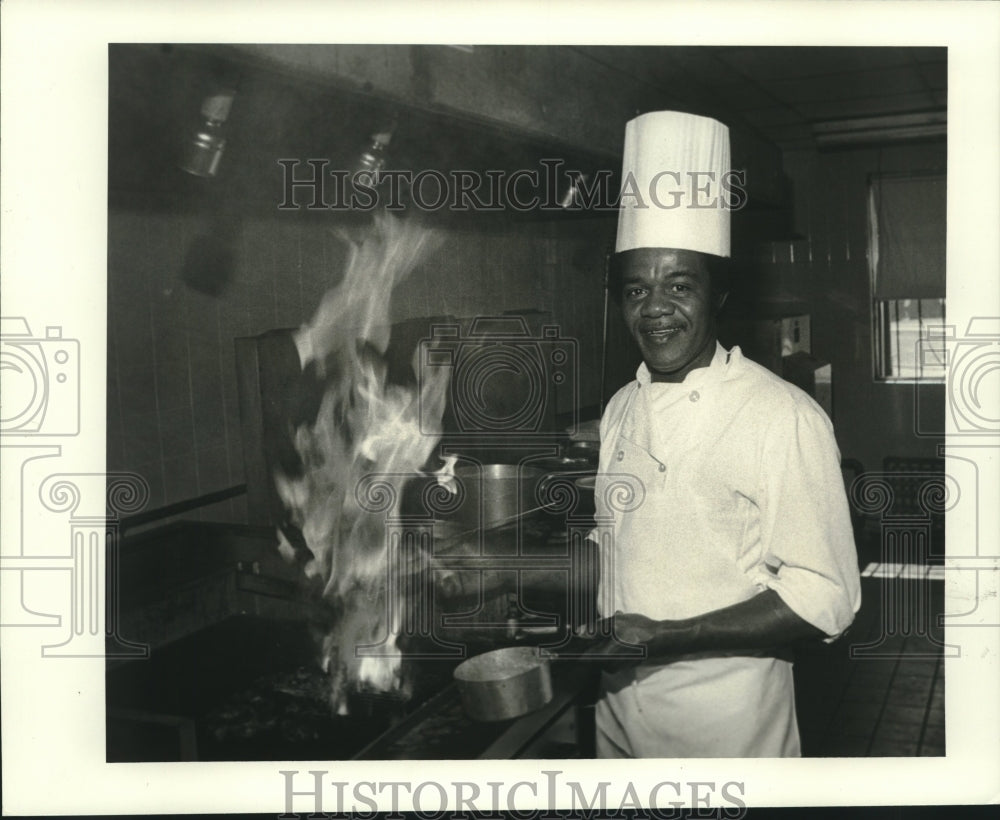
[
  {"x": 202, "y": 153},
  {"x": 372, "y": 159}
]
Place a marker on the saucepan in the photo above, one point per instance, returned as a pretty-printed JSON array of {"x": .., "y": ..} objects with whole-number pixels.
[
  {"x": 513, "y": 681},
  {"x": 505, "y": 683}
]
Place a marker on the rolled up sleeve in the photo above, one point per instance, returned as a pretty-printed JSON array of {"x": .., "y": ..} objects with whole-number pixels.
[{"x": 810, "y": 555}]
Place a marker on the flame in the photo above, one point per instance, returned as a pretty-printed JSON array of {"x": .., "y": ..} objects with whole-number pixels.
[{"x": 366, "y": 430}]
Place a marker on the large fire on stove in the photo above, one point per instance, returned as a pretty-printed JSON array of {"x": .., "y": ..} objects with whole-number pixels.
[{"x": 367, "y": 430}]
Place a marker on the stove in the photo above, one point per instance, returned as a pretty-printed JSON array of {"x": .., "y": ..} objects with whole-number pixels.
[{"x": 234, "y": 672}]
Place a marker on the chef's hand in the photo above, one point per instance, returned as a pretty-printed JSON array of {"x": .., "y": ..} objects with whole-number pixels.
[
  {"x": 633, "y": 628},
  {"x": 629, "y": 639},
  {"x": 417, "y": 569},
  {"x": 464, "y": 585},
  {"x": 451, "y": 585}
]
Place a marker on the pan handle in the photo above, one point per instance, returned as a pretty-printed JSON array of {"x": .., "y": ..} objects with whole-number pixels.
[{"x": 558, "y": 493}]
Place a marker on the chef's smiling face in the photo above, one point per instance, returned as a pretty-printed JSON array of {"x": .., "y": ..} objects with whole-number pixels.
[{"x": 669, "y": 307}]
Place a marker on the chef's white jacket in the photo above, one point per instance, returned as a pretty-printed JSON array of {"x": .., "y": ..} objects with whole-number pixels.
[{"x": 710, "y": 491}]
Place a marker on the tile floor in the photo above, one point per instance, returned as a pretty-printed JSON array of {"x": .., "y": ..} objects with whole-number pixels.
[{"x": 879, "y": 690}]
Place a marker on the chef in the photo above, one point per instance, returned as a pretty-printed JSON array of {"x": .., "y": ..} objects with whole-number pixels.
[{"x": 721, "y": 508}]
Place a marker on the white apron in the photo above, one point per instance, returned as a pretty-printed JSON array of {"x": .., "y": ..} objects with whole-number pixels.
[{"x": 694, "y": 706}]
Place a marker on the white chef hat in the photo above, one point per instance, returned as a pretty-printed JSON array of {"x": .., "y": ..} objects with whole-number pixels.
[{"x": 672, "y": 195}]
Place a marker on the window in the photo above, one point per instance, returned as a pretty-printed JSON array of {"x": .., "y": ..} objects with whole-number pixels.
[
  {"x": 900, "y": 325},
  {"x": 907, "y": 259}
]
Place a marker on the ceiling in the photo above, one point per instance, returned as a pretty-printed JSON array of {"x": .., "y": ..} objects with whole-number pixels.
[{"x": 786, "y": 94}]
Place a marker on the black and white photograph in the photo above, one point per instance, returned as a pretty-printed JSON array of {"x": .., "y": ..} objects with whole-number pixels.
[{"x": 576, "y": 421}]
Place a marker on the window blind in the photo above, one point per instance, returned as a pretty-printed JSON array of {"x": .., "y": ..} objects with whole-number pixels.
[{"x": 908, "y": 229}]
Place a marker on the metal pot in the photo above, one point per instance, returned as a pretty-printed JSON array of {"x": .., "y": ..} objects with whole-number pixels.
[
  {"x": 505, "y": 683},
  {"x": 497, "y": 494}
]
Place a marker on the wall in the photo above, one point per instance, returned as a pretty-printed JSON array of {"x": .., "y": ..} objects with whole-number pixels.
[
  {"x": 172, "y": 404},
  {"x": 828, "y": 268}
]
